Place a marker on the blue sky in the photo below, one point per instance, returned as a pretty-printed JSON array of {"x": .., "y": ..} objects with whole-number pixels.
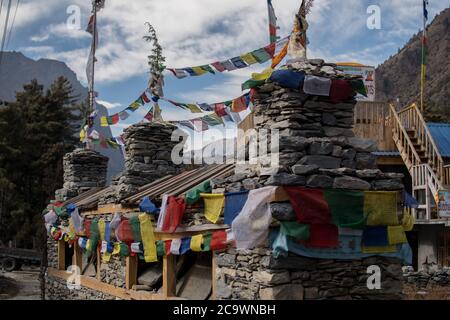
[{"x": 197, "y": 32}]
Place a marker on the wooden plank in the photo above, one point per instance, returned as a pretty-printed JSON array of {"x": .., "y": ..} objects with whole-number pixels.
[
  {"x": 131, "y": 272},
  {"x": 99, "y": 264},
  {"x": 94, "y": 284},
  {"x": 61, "y": 255},
  {"x": 390, "y": 161},
  {"x": 109, "y": 209},
  {"x": 280, "y": 195},
  {"x": 169, "y": 276}
]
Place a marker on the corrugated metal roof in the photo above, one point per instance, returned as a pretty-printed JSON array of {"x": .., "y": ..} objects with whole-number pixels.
[{"x": 441, "y": 135}]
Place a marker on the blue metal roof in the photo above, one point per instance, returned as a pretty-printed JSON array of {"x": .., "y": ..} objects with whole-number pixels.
[
  {"x": 441, "y": 135},
  {"x": 386, "y": 153}
]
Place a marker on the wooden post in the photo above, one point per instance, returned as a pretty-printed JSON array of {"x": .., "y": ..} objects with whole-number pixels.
[
  {"x": 77, "y": 256},
  {"x": 131, "y": 272},
  {"x": 99, "y": 264},
  {"x": 214, "y": 276},
  {"x": 61, "y": 255},
  {"x": 169, "y": 276}
]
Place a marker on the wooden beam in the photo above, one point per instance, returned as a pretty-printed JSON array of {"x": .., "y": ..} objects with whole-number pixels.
[
  {"x": 94, "y": 284},
  {"x": 61, "y": 255},
  {"x": 169, "y": 276},
  {"x": 131, "y": 272},
  {"x": 390, "y": 161},
  {"x": 109, "y": 209},
  {"x": 99, "y": 264}
]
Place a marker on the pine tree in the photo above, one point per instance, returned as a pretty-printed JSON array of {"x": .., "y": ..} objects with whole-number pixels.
[{"x": 36, "y": 131}]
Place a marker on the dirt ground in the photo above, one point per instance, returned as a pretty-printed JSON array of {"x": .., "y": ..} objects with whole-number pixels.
[{"x": 20, "y": 285}]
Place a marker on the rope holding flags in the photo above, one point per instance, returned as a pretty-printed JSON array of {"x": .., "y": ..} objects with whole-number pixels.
[
  {"x": 423, "y": 69},
  {"x": 245, "y": 60}
]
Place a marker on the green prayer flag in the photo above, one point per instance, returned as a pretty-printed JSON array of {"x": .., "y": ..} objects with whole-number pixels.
[
  {"x": 249, "y": 84},
  {"x": 136, "y": 227},
  {"x": 94, "y": 236},
  {"x": 193, "y": 195},
  {"x": 207, "y": 242},
  {"x": 346, "y": 208},
  {"x": 208, "y": 68},
  {"x": 359, "y": 87},
  {"x": 160, "y": 248},
  {"x": 124, "y": 251},
  {"x": 295, "y": 230}
]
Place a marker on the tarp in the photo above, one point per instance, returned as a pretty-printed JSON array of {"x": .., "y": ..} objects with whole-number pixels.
[
  {"x": 251, "y": 226},
  {"x": 234, "y": 202},
  {"x": 349, "y": 249}
]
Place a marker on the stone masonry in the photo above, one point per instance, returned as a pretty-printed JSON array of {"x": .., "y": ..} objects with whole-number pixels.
[{"x": 317, "y": 149}]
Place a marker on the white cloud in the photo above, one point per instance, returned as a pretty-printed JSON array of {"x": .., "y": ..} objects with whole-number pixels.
[{"x": 109, "y": 105}]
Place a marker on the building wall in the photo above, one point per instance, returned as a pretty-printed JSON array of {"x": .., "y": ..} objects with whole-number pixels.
[{"x": 428, "y": 245}]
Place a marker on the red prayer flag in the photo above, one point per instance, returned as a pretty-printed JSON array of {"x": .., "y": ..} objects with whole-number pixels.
[
  {"x": 309, "y": 205},
  {"x": 145, "y": 98},
  {"x": 219, "y": 108},
  {"x": 174, "y": 214},
  {"x": 125, "y": 232},
  {"x": 341, "y": 90},
  {"x": 239, "y": 104},
  {"x": 167, "y": 245},
  {"x": 218, "y": 65},
  {"x": 219, "y": 240},
  {"x": 322, "y": 236},
  {"x": 270, "y": 49},
  {"x": 87, "y": 228},
  {"x": 115, "y": 118},
  {"x": 149, "y": 116}
]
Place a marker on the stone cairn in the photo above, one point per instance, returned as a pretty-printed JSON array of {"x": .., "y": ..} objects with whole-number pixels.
[
  {"x": 317, "y": 149},
  {"x": 83, "y": 170},
  {"x": 148, "y": 149}
]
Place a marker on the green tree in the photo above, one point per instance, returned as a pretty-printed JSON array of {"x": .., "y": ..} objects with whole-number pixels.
[{"x": 35, "y": 133}]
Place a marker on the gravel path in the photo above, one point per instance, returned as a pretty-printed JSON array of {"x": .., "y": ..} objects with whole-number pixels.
[{"x": 20, "y": 285}]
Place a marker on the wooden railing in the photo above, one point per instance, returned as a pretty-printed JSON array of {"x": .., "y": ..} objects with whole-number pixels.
[
  {"x": 412, "y": 119},
  {"x": 371, "y": 121},
  {"x": 424, "y": 176},
  {"x": 402, "y": 140}
]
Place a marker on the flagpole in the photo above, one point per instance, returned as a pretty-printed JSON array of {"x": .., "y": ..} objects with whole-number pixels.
[
  {"x": 94, "y": 39},
  {"x": 422, "y": 65}
]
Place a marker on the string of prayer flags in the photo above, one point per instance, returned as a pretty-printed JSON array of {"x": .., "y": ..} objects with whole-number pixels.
[
  {"x": 196, "y": 243},
  {"x": 213, "y": 206},
  {"x": 234, "y": 202},
  {"x": 260, "y": 55},
  {"x": 288, "y": 78},
  {"x": 185, "y": 246},
  {"x": 123, "y": 115},
  {"x": 147, "y": 206},
  {"x": 218, "y": 240},
  {"x": 272, "y": 22}
]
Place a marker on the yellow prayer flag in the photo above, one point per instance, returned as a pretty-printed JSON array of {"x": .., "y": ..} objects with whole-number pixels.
[
  {"x": 148, "y": 238},
  {"x": 104, "y": 122},
  {"x": 101, "y": 229},
  {"x": 408, "y": 221},
  {"x": 88, "y": 245},
  {"x": 194, "y": 108},
  {"x": 106, "y": 257},
  {"x": 82, "y": 135},
  {"x": 396, "y": 235},
  {"x": 387, "y": 249},
  {"x": 116, "y": 248},
  {"x": 263, "y": 75},
  {"x": 213, "y": 205},
  {"x": 199, "y": 71},
  {"x": 196, "y": 243},
  {"x": 249, "y": 58},
  {"x": 380, "y": 207}
]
